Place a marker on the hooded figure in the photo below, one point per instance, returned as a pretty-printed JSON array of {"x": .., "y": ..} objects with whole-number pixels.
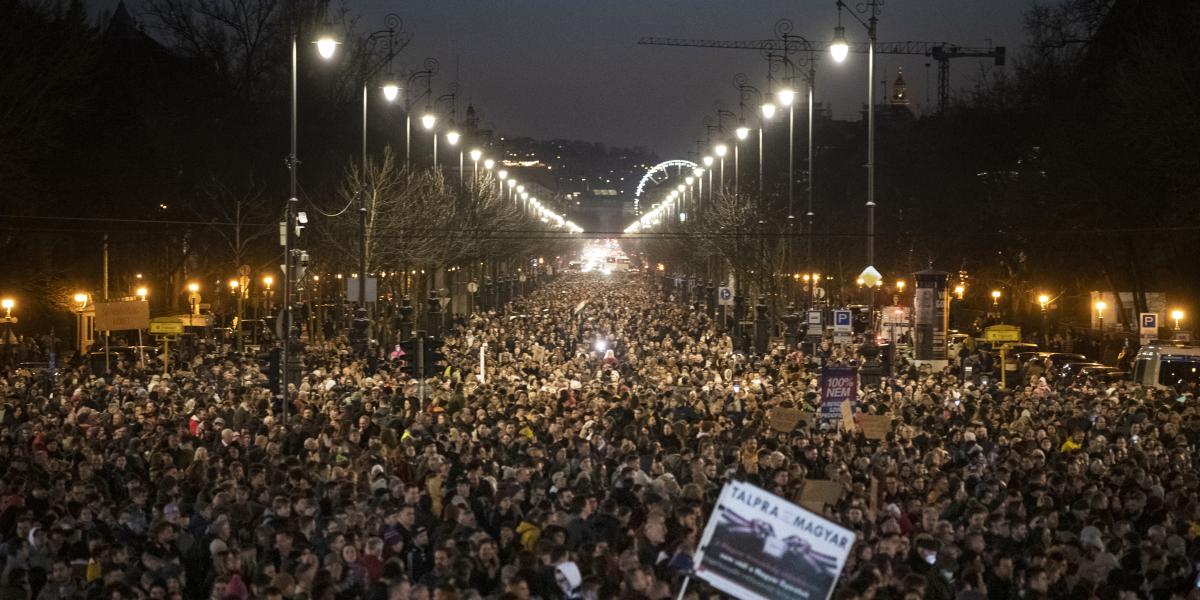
[{"x": 568, "y": 578}]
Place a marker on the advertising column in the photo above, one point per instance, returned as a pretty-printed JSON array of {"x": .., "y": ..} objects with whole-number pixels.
[{"x": 930, "y": 318}]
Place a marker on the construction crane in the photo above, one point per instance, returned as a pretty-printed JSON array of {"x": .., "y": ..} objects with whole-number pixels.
[{"x": 942, "y": 52}]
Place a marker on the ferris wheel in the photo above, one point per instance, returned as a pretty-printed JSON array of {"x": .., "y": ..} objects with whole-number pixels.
[{"x": 658, "y": 175}]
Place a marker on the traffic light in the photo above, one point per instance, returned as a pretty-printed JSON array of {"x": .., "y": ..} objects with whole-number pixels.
[
  {"x": 358, "y": 331},
  {"x": 435, "y": 360},
  {"x": 268, "y": 364},
  {"x": 410, "y": 357}
]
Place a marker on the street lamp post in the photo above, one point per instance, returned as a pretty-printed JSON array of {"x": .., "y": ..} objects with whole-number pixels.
[
  {"x": 1177, "y": 316},
  {"x": 476, "y": 154},
  {"x": 390, "y": 91},
  {"x": 8, "y": 320},
  {"x": 721, "y": 150},
  {"x": 267, "y": 282},
  {"x": 708, "y": 163},
  {"x": 839, "y": 49},
  {"x": 428, "y": 121},
  {"x": 768, "y": 113},
  {"x": 194, "y": 298},
  {"x": 326, "y": 46},
  {"x": 235, "y": 288},
  {"x": 787, "y": 97},
  {"x": 1044, "y": 302},
  {"x": 81, "y": 300},
  {"x": 431, "y": 68},
  {"x": 1100, "y": 306},
  {"x": 742, "y": 132},
  {"x": 141, "y": 293},
  {"x": 452, "y": 138}
]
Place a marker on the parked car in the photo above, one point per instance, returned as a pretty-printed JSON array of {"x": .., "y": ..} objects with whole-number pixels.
[
  {"x": 1066, "y": 373},
  {"x": 1055, "y": 360}
]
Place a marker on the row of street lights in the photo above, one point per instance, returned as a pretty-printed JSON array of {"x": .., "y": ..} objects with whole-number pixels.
[{"x": 786, "y": 98}]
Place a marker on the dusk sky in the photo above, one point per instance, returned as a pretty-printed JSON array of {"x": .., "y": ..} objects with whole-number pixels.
[{"x": 573, "y": 68}]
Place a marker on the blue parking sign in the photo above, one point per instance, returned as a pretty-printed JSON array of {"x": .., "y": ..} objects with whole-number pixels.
[{"x": 1149, "y": 320}]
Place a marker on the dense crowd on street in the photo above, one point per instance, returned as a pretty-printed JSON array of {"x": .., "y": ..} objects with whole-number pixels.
[{"x": 584, "y": 463}]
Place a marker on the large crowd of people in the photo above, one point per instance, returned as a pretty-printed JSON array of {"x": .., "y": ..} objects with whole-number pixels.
[{"x": 582, "y": 462}]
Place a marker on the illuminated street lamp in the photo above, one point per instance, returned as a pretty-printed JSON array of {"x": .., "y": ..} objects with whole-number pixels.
[
  {"x": 1100, "y": 306},
  {"x": 721, "y": 150},
  {"x": 900, "y": 286},
  {"x": 326, "y": 46},
  {"x": 1177, "y": 316},
  {"x": 1044, "y": 302},
  {"x": 8, "y": 321},
  {"x": 193, "y": 289},
  {"x": 81, "y": 302},
  {"x": 839, "y": 49},
  {"x": 995, "y": 297},
  {"x": 476, "y": 154},
  {"x": 390, "y": 92},
  {"x": 268, "y": 281},
  {"x": 452, "y": 139},
  {"x": 960, "y": 290}
]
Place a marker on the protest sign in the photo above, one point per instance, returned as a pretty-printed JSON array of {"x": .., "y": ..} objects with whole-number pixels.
[
  {"x": 847, "y": 415},
  {"x": 816, "y": 493},
  {"x": 784, "y": 420},
  {"x": 837, "y": 385},
  {"x": 758, "y": 546},
  {"x": 875, "y": 427},
  {"x": 122, "y": 315}
]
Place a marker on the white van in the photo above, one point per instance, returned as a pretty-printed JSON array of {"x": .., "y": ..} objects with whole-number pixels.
[{"x": 1166, "y": 364}]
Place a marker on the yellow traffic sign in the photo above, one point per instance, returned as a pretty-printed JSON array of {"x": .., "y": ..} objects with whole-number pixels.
[{"x": 166, "y": 325}]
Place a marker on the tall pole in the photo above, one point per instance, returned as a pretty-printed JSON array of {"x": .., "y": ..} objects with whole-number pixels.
[
  {"x": 809, "y": 179},
  {"x": 871, "y": 139},
  {"x": 435, "y": 150},
  {"x": 791, "y": 160},
  {"x": 722, "y": 179},
  {"x": 735, "y": 168},
  {"x": 107, "y": 358},
  {"x": 362, "y": 212},
  {"x": 288, "y": 242},
  {"x": 762, "y": 126}
]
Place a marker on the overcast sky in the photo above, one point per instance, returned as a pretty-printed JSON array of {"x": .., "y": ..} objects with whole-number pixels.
[{"x": 573, "y": 68}]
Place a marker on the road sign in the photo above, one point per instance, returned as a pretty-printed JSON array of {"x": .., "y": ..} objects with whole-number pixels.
[
  {"x": 725, "y": 296},
  {"x": 166, "y": 326},
  {"x": 1148, "y": 326},
  {"x": 472, "y": 287},
  {"x": 843, "y": 321},
  {"x": 352, "y": 289},
  {"x": 521, "y": 278},
  {"x": 819, "y": 293},
  {"x": 814, "y": 319}
]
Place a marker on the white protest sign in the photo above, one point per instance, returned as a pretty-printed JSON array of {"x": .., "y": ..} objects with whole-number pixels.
[{"x": 758, "y": 546}]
